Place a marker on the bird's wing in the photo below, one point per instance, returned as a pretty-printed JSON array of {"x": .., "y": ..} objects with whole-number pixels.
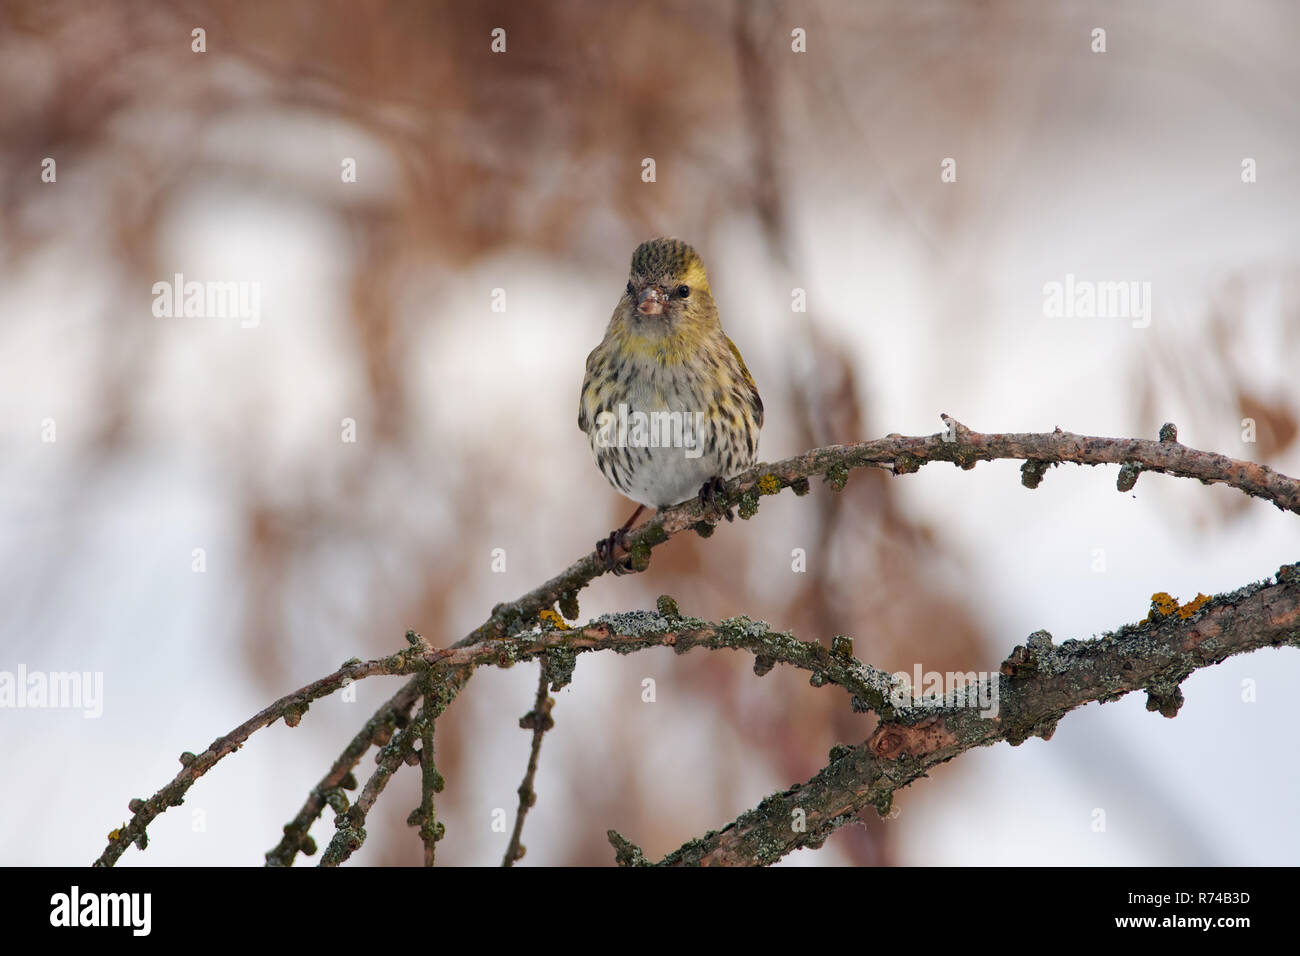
[
  {"x": 583, "y": 423},
  {"x": 749, "y": 380}
]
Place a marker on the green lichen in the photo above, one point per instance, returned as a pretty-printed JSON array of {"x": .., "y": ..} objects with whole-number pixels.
[
  {"x": 560, "y": 662},
  {"x": 747, "y": 507},
  {"x": 905, "y": 464},
  {"x": 1128, "y": 476},
  {"x": 1032, "y": 471},
  {"x": 742, "y": 631},
  {"x": 639, "y": 553},
  {"x": 507, "y": 656},
  {"x": 626, "y": 853},
  {"x": 653, "y": 535},
  {"x": 1166, "y": 697},
  {"x": 294, "y": 712},
  {"x": 1038, "y": 655},
  {"x": 345, "y": 842}
]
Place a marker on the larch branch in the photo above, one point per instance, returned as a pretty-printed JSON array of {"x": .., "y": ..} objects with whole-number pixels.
[{"x": 511, "y": 633}]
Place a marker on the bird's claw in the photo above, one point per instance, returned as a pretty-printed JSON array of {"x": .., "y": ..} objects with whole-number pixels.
[
  {"x": 607, "y": 550},
  {"x": 709, "y": 492}
]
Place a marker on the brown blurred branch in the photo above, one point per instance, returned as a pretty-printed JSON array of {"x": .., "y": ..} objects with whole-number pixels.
[{"x": 513, "y": 633}]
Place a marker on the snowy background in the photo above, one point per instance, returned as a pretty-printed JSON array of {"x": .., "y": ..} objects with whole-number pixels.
[{"x": 521, "y": 171}]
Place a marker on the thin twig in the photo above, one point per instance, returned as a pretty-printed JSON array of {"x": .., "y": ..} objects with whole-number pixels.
[
  {"x": 291, "y": 707},
  {"x": 539, "y": 721},
  {"x": 349, "y": 824},
  {"x": 425, "y": 816},
  {"x": 378, "y": 730}
]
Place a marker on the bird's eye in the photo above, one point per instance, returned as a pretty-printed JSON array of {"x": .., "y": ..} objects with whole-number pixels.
[
  {"x": 683, "y": 291},
  {"x": 629, "y": 287}
]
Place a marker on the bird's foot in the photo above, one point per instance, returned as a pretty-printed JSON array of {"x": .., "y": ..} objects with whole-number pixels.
[
  {"x": 709, "y": 492},
  {"x": 607, "y": 550}
]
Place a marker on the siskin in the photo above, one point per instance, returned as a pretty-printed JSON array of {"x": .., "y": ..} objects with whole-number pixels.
[{"x": 667, "y": 404}]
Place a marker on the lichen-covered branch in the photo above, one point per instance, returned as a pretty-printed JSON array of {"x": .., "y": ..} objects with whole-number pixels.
[
  {"x": 901, "y": 455},
  {"x": 331, "y": 788},
  {"x": 425, "y": 816},
  {"x": 511, "y": 633},
  {"x": 1039, "y": 683},
  {"x": 349, "y": 822}
]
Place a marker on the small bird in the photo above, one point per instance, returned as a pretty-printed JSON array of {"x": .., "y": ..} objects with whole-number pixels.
[{"x": 667, "y": 404}]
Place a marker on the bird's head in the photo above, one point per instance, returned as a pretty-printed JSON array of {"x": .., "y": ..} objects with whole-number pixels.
[{"x": 667, "y": 287}]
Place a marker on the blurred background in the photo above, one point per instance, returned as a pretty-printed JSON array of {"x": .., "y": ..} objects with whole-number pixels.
[{"x": 182, "y": 509}]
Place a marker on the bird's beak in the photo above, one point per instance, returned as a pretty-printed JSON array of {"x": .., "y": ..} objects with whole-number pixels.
[{"x": 650, "y": 302}]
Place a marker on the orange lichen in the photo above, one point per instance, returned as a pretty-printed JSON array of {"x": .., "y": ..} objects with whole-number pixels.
[
  {"x": 1163, "y": 605},
  {"x": 1194, "y": 605},
  {"x": 548, "y": 616},
  {"x": 768, "y": 485}
]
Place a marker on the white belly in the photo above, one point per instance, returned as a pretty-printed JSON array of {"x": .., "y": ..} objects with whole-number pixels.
[
  {"x": 664, "y": 472},
  {"x": 668, "y": 476}
]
